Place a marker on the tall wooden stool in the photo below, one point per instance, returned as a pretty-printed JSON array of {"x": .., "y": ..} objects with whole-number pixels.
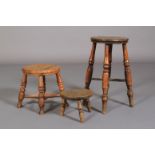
[
  {"x": 40, "y": 71},
  {"x": 106, "y": 77},
  {"x": 76, "y": 95}
]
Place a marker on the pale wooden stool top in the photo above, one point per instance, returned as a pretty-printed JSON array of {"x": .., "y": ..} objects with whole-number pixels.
[
  {"x": 76, "y": 94},
  {"x": 41, "y": 69},
  {"x": 109, "y": 39}
]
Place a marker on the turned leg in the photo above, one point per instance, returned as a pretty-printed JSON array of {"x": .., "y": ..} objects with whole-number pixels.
[
  {"x": 105, "y": 78},
  {"x": 128, "y": 75},
  {"x": 41, "y": 94},
  {"x": 110, "y": 62},
  {"x": 110, "y": 59},
  {"x": 80, "y": 108},
  {"x": 90, "y": 67},
  {"x": 89, "y": 71},
  {"x": 44, "y": 80},
  {"x": 61, "y": 85},
  {"x": 87, "y": 104},
  {"x": 59, "y": 82},
  {"x": 63, "y": 107},
  {"x": 22, "y": 90}
]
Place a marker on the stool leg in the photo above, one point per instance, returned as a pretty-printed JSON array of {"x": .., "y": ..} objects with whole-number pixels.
[
  {"x": 128, "y": 75},
  {"x": 60, "y": 85},
  {"x": 22, "y": 90},
  {"x": 44, "y": 80},
  {"x": 59, "y": 82},
  {"x": 87, "y": 104},
  {"x": 80, "y": 108},
  {"x": 41, "y": 94},
  {"x": 110, "y": 59},
  {"x": 63, "y": 106},
  {"x": 90, "y": 67},
  {"x": 105, "y": 78},
  {"x": 110, "y": 62}
]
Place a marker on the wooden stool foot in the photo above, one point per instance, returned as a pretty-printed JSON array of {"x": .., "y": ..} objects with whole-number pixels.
[
  {"x": 87, "y": 104},
  {"x": 63, "y": 106},
  {"x": 81, "y": 114},
  {"x": 104, "y": 106},
  {"x": 131, "y": 101},
  {"x": 89, "y": 107},
  {"x": 19, "y": 105},
  {"x": 41, "y": 112}
]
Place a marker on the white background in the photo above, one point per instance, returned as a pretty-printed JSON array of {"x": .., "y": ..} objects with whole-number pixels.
[{"x": 69, "y": 12}]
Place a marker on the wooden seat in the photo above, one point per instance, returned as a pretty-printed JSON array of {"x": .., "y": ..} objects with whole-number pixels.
[
  {"x": 77, "y": 95},
  {"x": 109, "y": 39},
  {"x": 40, "y": 70}
]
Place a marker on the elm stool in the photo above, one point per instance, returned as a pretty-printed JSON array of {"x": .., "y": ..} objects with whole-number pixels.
[
  {"x": 40, "y": 71},
  {"x": 109, "y": 41},
  {"x": 77, "y": 95}
]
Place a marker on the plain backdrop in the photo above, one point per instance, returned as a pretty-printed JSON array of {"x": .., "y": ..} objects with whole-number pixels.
[{"x": 71, "y": 44}]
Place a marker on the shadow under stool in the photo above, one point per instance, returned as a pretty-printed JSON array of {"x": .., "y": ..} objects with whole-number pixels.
[
  {"x": 76, "y": 95},
  {"x": 109, "y": 41},
  {"x": 40, "y": 71}
]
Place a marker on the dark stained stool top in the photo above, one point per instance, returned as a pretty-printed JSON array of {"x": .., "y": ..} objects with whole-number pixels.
[
  {"x": 76, "y": 94},
  {"x": 109, "y": 39}
]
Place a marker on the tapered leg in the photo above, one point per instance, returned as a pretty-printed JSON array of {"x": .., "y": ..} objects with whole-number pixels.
[
  {"x": 80, "y": 108},
  {"x": 90, "y": 67},
  {"x": 59, "y": 82},
  {"x": 44, "y": 80},
  {"x": 105, "y": 78},
  {"x": 41, "y": 94},
  {"x": 128, "y": 75},
  {"x": 61, "y": 85},
  {"x": 110, "y": 59},
  {"x": 110, "y": 62},
  {"x": 22, "y": 90},
  {"x": 89, "y": 71},
  {"x": 87, "y": 104},
  {"x": 63, "y": 107}
]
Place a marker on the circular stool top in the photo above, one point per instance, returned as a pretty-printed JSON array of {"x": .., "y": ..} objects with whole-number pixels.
[
  {"x": 76, "y": 94},
  {"x": 41, "y": 69},
  {"x": 109, "y": 39}
]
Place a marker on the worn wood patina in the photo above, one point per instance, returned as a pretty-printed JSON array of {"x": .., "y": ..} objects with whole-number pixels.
[
  {"x": 40, "y": 71},
  {"x": 78, "y": 95},
  {"x": 109, "y": 41}
]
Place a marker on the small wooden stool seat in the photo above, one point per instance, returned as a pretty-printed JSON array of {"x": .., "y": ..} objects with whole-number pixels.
[
  {"x": 76, "y": 95},
  {"x": 109, "y": 39},
  {"x": 40, "y": 71}
]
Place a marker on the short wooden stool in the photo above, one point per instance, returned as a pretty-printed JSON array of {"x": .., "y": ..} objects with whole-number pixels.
[
  {"x": 77, "y": 95},
  {"x": 109, "y": 42},
  {"x": 40, "y": 71}
]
